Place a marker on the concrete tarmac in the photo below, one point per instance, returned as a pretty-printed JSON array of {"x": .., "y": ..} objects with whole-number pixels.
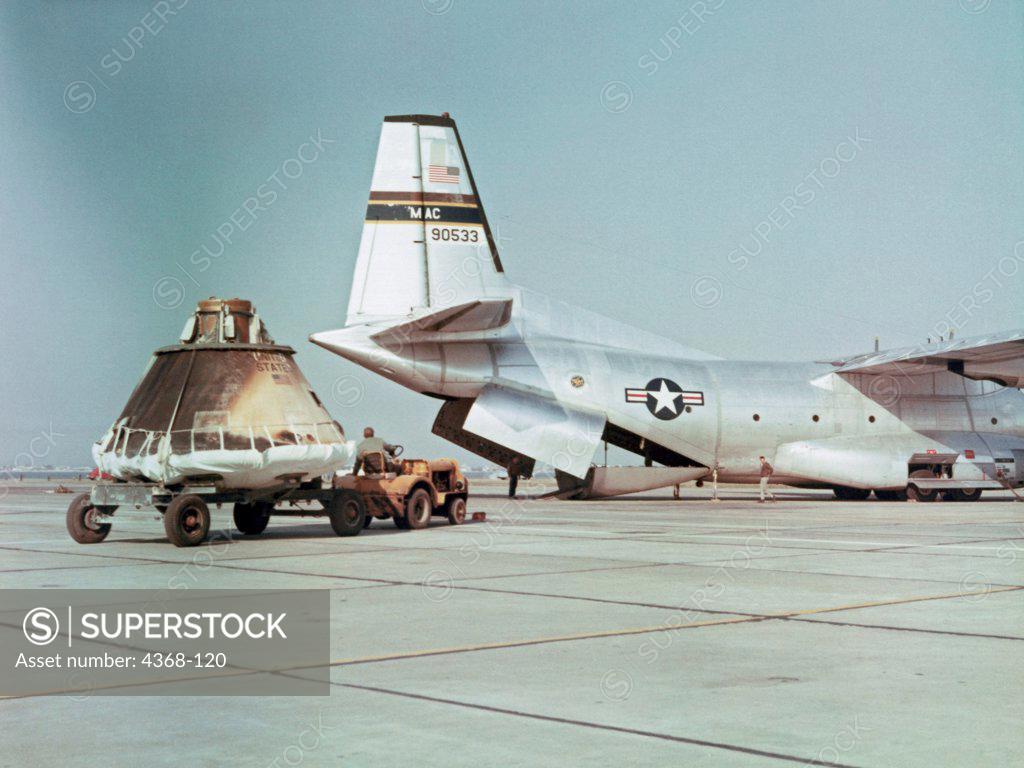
[{"x": 639, "y": 631}]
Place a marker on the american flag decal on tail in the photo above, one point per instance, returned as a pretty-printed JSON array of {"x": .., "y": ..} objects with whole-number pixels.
[{"x": 445, "y": 174}]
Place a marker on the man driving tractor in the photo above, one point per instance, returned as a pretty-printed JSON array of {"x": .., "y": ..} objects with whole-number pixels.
[
  {"x": 407, "y": 491},
  {"x": 369, "y": 453}
]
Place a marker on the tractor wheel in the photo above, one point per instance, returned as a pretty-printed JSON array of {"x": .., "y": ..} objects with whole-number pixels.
[
  {"x": 917, "y": 494},
  {"x": 252, "y": 519},
  {"x": 457, "y": 511},
  {"x": 81, "y": 521},
  {"x": 348, "y": 513},
  {"x": 418, "y": 509},
  {"x": 844, "y": 493},
  {"x": 187, "y": 521}
]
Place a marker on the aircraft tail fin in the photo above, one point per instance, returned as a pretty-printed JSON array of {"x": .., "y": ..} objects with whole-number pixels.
[{"x": 426, "y": 242}]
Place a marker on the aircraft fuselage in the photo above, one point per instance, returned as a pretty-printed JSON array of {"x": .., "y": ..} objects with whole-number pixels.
[{"x": 817, "y": 427}]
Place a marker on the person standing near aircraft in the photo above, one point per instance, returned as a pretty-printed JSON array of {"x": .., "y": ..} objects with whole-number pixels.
[
  {"x": 515, "y": 469},
  {"x": 766, "y": 473}
]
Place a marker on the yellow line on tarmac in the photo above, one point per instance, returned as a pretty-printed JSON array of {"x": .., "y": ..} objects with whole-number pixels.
[
  {"x": 544, "y": 640},
  {"x": 648, "y": 630},
  {"x": 521, "y": 643},
  {"x": 898, "y": 601}
]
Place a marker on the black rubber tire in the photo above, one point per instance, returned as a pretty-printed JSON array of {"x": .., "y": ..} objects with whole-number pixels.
[
  {"x": 896, "y": 495},
  {"x": 400, "y": 522},
  {"x": 79, "y": 526},
  {"x": 845, "y": 493},
  {"x": 368, "y": 522},
  {"x": 916, "y": 494},
  {"x": 347, "y": 511},
  {"x": 419, "y": 508},
  {"x": 252, "y": 519},
  {"x": 962, "y": 494},
  {"x": 456, "y": 511},
  {"x": 187, "y": 521}
]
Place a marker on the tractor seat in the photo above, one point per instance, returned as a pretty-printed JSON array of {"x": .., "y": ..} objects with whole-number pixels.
[{"x": 373, "y": 464}]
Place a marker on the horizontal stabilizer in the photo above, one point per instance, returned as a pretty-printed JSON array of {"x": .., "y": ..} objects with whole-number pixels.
[{"x": 481, "y": 315}]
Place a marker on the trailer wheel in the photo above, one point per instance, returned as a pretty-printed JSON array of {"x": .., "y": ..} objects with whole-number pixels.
[
  {"x": 348, "y": 513},
  {"x": 916, "y": 494},
  {"x": 418, "y": 509},
  {"x": 81, "y": 521},
  {"x": 252, "y": 519},
  {"x": 457, "y": 511},
  {"x": 187, "y": 521}
]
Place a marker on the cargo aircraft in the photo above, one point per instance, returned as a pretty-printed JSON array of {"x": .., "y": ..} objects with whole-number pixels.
[{"x": 525, "y": 375}]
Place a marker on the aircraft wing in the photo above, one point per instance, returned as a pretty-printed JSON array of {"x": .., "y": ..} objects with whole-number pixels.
[{"x": 997, "y": 357}]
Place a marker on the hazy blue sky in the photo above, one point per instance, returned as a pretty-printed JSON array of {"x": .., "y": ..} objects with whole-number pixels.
[{"x": 630, "y": 154}]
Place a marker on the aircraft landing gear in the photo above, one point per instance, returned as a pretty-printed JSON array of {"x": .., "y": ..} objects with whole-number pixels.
[
  {"x": 918, "y": 494},
  {"x": 845, "y": 493},
  {"x": 898, "y": 495},
  {"x": 962, "y": 494}
]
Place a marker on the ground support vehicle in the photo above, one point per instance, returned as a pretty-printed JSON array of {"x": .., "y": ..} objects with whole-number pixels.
[
  {"x": 186, "y": 508},
  {"x": 410, "y": 491}
]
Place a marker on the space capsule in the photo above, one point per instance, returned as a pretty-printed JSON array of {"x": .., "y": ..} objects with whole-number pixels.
[{"x": 226, "y": 405}]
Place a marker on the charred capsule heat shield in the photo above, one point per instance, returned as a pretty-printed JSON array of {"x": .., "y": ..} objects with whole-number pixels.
[{"x": 226, "y": 404}]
